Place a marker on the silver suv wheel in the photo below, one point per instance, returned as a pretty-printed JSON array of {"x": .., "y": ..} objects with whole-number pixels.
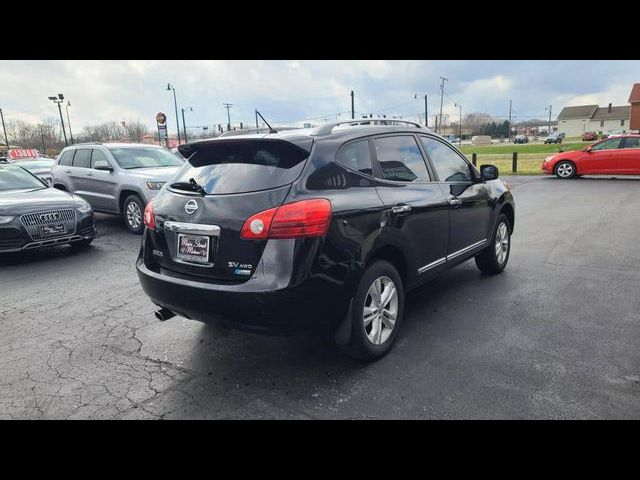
[{"x": 380, "y": 310}]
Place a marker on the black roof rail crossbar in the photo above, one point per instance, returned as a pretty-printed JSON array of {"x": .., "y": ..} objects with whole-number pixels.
[{"x": 326, "y": 128}]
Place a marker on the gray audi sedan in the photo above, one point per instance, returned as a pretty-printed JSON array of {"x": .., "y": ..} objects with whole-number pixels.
[
  {"x": 33, "y": 215},
  {"x": 116, "y": 178}
]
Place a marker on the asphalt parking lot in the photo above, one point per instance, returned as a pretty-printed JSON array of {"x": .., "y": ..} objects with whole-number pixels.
[{"x": 555, "y": 336}]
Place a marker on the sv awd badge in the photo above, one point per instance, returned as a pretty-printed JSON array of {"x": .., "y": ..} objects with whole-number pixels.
[{"x": 191, "y": 206}]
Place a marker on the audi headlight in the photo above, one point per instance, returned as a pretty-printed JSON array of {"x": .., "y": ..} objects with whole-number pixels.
[
  {"x": 155, "y": 185},
  {"x": 83, "y": 206},
  {"x": 5, "y": 219}
]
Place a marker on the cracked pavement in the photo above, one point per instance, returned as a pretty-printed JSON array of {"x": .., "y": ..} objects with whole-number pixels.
[{"x": 556, "y": 336}]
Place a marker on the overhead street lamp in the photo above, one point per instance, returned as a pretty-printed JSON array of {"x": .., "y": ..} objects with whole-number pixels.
[
  {"x": 175, "y": 104},
  {"x": 59, "y": 100},
  {"x": 184, "y": 126}
]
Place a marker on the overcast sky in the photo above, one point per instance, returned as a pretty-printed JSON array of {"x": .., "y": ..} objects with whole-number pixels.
[{"x": 294, "y": 91}]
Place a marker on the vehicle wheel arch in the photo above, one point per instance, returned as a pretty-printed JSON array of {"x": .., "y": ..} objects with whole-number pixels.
[
  {"x": 124, "y": 193},
  {"x": 560, "y": 160},
  {"x": 509, "y": 211},
  {"x": 395, "y": 256}
]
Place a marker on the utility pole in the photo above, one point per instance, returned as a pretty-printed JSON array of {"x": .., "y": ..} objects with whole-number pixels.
[
  {"x": 509, "y": 121},
  {"x": 353, "y": 110},
  {"x": 175, "y": 104},
  {"x": 5, "y": 131},
  {"x": 549, "y": 126},
  {"x": 228, "y": 106},
  {"x": 59, "y": 100},
  {"x": 69, "y": 121},
  {"x": 442, "y": 97}
]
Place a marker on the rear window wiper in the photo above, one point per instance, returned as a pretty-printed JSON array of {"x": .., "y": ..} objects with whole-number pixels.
[{"x": 191, "y": 185}]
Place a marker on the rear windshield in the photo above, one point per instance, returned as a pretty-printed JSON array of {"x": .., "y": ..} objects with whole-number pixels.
[
  {"x": 238, "y": 166},
  {"x": 141, "y": 157},
  {"x": 12, "y": 177}
]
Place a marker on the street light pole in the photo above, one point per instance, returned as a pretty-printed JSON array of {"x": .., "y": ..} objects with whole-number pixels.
[
  {"x": 353, "y": 110},
  {"x": 228, "y": 106},
  {"x": 175, "y": 104},
  {"x": 69, "y": 121},
  {"x": 460, "y": 125},
  {"x": 184, "y": 125},
  {"x": 5, "y": 131},
  {"x": 441, "y": 98},
  {"x": 426, "y": 111},
  {"x": 59, "y": 100}
]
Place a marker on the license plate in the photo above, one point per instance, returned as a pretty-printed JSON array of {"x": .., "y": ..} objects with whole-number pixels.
[
  {"x": 193, "y": 248},
  {"x": 51, "y": 230}
]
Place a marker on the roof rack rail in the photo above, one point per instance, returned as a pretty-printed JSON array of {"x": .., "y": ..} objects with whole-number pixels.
[{"x": 326, "y": 128}]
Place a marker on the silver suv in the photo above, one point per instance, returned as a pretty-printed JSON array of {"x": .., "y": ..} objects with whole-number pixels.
[{"x": 118, "y": 178}]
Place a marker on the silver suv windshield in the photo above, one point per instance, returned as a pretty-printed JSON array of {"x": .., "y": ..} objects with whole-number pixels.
[{"x": 141, "y": 157}]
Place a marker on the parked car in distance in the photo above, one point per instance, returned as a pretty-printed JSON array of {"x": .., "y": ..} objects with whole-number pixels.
[
  {"x": 555, "y": 137},
  {"x": 589, "y": 136},
  {"x": 40, "y": 166},
  {"x": 520, "y": 139},
  {"x": 33, "y": 215},
  {"x": 617, "y": 155},
  {"x": 116, "y": 178},
  {"x": 319, "y": 229}
]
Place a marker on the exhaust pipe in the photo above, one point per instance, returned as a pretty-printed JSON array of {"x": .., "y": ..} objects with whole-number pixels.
[{"x": 164, "y": 314}]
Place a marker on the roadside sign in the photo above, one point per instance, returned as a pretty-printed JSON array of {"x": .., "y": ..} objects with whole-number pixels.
[
  {"x": 18, "y": 153},
  {"x": 161, "y": 118}
]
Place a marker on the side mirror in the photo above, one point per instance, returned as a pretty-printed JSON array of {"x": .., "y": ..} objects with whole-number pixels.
[
  {"x": 105, "y": 168},
  {"x": 488, "y": 172}
]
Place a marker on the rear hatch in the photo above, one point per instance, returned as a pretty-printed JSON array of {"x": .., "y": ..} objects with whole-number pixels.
[{"x": 200, "y": 214}]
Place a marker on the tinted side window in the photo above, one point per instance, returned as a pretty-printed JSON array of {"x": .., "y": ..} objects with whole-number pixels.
[
  {"x": 611, "y": 144},
  {"x": 631, "y": 142},
  {"x": 356, "y": 156},
  {"x": 82, "y": 158},
  {"x": 449, "y": 165},
  {"x": 400, "y": 159},
  {"x": 98, "y": 158},
  {"x": 67, "y": 158}
]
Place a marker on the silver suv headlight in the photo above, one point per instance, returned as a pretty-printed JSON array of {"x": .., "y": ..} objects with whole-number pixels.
[
  {"x": 5, "y": 219},
  {"x": 155, "y": 185}
]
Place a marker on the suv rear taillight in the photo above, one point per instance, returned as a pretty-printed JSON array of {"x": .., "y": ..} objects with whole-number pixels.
[
  {"x": 306, "y": 218},
  {"x": 149, "y": 217}
]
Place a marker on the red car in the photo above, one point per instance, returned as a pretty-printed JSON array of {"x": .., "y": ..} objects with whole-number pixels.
[
  {"x": 589, "y": 136},
  {"x": 619, "y": 155}
]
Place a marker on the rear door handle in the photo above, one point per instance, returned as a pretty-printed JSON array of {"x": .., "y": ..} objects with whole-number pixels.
[
  {"x": 455, "y": 202},
  {"x": 89, "y": 174},
  {"x": 67, "y": 171},
  {"x": 401, "y": 209}
]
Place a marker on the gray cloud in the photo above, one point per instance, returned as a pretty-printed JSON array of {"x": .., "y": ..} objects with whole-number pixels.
[{"x": 288, "y": 91}]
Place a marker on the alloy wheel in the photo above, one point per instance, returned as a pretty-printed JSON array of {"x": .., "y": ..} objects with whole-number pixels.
[
  {"x": 565, "y": 170},
  {"x": 502, "y": 243},
  {"x": 380, "y": 310},
  {"x": 134, "y": 215}
]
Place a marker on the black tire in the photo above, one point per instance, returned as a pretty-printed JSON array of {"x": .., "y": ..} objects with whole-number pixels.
[
  {"x": 565, "y": 169},
  {"x": 360, "y": 346},
  {"x": 488, "y": 260},
  {"x": 133, "y": 223}
]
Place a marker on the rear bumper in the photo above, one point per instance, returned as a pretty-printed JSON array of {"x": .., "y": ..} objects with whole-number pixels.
[{"x": 267, "y": 303}]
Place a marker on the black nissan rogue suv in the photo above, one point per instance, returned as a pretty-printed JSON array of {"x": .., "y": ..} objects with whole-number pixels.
[{"x": 324, "y": 228}]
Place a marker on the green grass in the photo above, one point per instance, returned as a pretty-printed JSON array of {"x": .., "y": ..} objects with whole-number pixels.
[
  {"x": 527, "y": 164},
  {"x": 508, "y": 148}
]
